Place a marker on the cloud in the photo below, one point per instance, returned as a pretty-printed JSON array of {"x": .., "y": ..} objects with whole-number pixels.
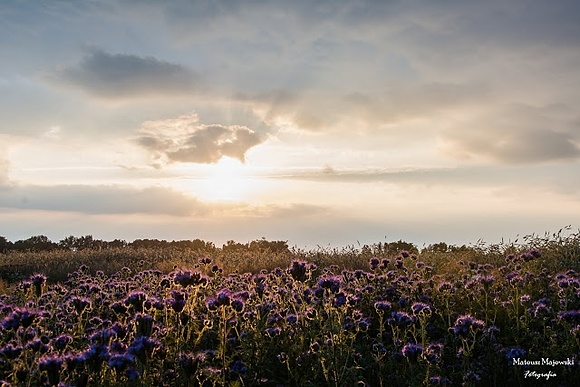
[
  {"x": 122, "y": 75},
  {"x": 515, "y": 134},
  {"x": 367, "y": 110},
  {"x": 184, "y": 139},
  {"x": 559, "y": 178},
  {"x": 102, "y": 199},
  {"x": 515, "y": 146},
  {"x": 295, "y": 211},
  {"x": 4, "y": 179}
]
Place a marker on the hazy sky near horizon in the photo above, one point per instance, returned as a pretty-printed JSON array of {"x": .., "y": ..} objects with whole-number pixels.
[{"x": 316, "y": 122}]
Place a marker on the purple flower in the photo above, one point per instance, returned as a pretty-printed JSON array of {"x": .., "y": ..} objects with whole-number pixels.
[
  {"x": 439, "y": 381},
  {"x": 492, "y": 332},
  {"x": 315, "y": 346},
  {"x": 177, "y": 301},
  {"x": 102, "y": 336},
  {"x": 52, "y": 365},
  {"x": 331, "y": 283},
  {"x": 514, "y": 278},
  {"x": 299, "y": 270},
  {"x": 540, "y": 309},
  {"x": 419, "y": 308},
  {"x": 401, "y": 319},
  {"x": 95, "y": 355},
  {"x": 136, "y": 299},
  {"x": 132, "y": 374},
  {"x": 444, "y": 286},
  {"x": 485, "y": 280},
  {"x": 382, "y": 306},
  {"x": 411, "y": 351},
  {"x": 144, "y": 346},
  {"x": 38, "y": 280},
  {"x": 117, "y": 347},
  {"x": 471, "y": 376},
  {"x": 19, "y": 317},
  {"x": 154, "y": 302},
  {"x": 339, "y": 299},
  {"x": 73, "y": 361},
  {"x": 118, "y": 307},
  {"x": 60, "y": 342},
  {"x": 144, "y": 324},
  {"x": 403, "y": 302},
  {"x": 380, "y": 349},
  {"x": 37, "y": 345},
  {"x": 121, "y": 362},
  {"x": 190, "y": 278},
  {"x": 238, "y": 367},
  {"x": 514, "y": 352},
  {"x": 571, "y": 316},
  {"x": 506, "y": 304},
  {"x": 81, "y": 304},
  {"x": 224, "y": 297},
  {"x": 465, "y": 324},
  {"x": 374, "y": 263},
  {"x": 273, "y": 331},
  {"x": 190, "y": 362},
  {"x": 433, "y": 353},
  {"x": 237, "y": 304},
  {"x": 10, "y": 351},
  {"x": 274, "y": 318},
  {"x": 363, "y": 324},
  {"x": 535, "y": 253}
]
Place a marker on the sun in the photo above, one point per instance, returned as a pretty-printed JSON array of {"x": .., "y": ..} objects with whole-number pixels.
[{"x": 227, "y": 180}]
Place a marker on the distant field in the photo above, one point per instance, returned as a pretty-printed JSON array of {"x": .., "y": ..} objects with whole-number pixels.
[{"x": 262, "y": 313}]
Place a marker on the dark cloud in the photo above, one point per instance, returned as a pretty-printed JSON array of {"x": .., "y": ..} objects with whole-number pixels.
[
  {"x": 184, "y": 139},
  {"x": 121, "y": 75},
  {"x": 102, "y": 199}
]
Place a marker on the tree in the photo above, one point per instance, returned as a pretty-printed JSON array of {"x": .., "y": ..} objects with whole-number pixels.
[
  {"x": 5, "y": 245},
  {"x": 35, "y": 243},
  {"x": 116, "y": 244},
  {"x": 273, "y": 246}
]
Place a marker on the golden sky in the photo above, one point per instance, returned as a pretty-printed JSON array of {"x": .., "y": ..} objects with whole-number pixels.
[{"x": 325, "y": 122}]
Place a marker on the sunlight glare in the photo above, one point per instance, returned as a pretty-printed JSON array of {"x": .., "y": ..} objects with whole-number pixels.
[{"x": 227, "y": 180}]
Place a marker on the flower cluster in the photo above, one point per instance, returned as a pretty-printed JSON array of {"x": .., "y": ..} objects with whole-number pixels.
[{"x": 396, "y": 323}]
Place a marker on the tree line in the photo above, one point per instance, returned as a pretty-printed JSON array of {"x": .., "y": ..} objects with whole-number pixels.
[{"x": 88, "y": 242}]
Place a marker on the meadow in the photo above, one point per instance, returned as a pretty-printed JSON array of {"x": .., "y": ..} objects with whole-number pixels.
[{"x": 263, "y": 314}]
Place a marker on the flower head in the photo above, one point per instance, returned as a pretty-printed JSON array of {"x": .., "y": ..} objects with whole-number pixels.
[
  {"x": 411, "y": 351},
  {"x": 420, "y": 308},
  {"x": 465, "y": 324},
  {"x": 401, "y": 319},
  {"x": 190, "y": 278}
]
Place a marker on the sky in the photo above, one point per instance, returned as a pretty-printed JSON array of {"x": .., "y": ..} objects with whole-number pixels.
[{"x": 323, "y": 123}]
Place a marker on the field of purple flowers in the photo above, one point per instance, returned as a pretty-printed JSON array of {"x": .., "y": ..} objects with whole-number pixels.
[{"x": 403, "y": 320}]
